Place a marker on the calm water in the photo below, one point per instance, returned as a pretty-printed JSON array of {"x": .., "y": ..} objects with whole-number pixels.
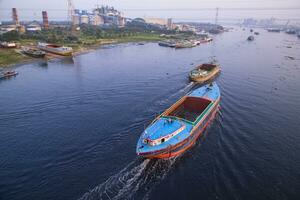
[{"x": 68, "y": 130}]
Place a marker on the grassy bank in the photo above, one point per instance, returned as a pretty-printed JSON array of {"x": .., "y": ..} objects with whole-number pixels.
[{"x": 10, "y": 57}]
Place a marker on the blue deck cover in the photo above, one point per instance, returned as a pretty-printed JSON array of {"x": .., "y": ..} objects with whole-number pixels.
[{"x": 162, "y": 127}]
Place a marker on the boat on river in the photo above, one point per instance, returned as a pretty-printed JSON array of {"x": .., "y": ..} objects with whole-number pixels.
[
  {"x": 204, "y": 73},
  {"x": 290, "y": 31},
  {"x": 36, "y": 53},
  {"x": 177, "y": 128},
  {"x": 276, "y": 30},
  {"x": 250, "y": 38},
  {"x": 55, "y": 49},
  {"x": 206, "y": 40},
  {"x": 8, "y": 74}
]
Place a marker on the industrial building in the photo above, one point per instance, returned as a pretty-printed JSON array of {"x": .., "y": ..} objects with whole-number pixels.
[
  {"x": 100, "y": 16},
  {"x": 160, "y": 21}
]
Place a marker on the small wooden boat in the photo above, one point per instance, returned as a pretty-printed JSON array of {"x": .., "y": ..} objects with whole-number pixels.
[
  {"x": 8, "y": 44},
  {"x": 55, "y": 49},
  {"x": 256, "y": 33},
  {"x": 177, "y": 129},
  {"x": 203, "y": 73},
  {"x": 33, "y": 52},
  {"x": 250, "y": 38},
  {"x": 8, "y": 74}
]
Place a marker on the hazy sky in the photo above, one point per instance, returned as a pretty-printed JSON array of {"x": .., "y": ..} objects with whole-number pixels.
[{"x": 30, "y": 9}]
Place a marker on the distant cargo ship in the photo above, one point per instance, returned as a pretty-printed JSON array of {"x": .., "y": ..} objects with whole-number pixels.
[
  {"x": 277, "y": 30},
  {"x": 178, "y": 128},
  {"x": 290, "y": 31},
  {"x": 55, "y": 49}
]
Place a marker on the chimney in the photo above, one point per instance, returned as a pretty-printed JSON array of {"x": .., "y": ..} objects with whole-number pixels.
[
  {"x": 45, "y": 20},
  {"x": 15, "y": 16}
]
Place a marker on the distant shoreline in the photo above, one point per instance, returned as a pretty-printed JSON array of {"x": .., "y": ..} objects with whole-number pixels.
[{"x": 21, "y": 59}]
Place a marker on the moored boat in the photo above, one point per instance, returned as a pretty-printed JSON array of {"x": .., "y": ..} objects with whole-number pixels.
[
  {"x": 290, "y": 31},
  {"x": 33, "y": 52},
  {"x": 177, "y": 129},
  {"x": 167, "y": 44},
  {"x": 185, "y": 44},
  {"x": 8, "y": 44},
  {"x": 276, "y": 30},
  {"x": 204, "y": 73},
  {"x": 55, "y": 49},
  {"x": 250, "y": 38},
  {"x": 206, "y": 40},
  {"x": 8, "y": 74}
]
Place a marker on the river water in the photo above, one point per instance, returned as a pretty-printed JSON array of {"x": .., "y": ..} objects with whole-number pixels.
[{"x": 68, "y": 130}]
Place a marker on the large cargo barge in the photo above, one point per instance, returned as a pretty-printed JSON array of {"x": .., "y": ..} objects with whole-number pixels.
[
  {"x": 55, "y": 49},
  {"x": 177, "y": 129}
]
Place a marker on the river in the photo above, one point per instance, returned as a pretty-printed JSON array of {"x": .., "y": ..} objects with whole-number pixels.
[{"x": 68, "y": 130}]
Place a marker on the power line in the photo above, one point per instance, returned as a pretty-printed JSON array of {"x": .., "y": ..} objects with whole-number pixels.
[{"x": 165, "y": 9}]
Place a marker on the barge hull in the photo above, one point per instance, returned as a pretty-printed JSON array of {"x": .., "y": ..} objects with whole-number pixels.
[{"x": 189, "y": 142}]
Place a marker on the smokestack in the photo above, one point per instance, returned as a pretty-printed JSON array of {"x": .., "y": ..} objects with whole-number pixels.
[
  {"x": 45, "y": 20},
  {"x": 15, "y": 16}
]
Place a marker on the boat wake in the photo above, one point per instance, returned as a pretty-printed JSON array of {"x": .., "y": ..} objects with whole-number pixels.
[{"x": 136, "y": 180}]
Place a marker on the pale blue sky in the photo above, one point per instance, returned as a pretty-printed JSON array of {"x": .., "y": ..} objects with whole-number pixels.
[{"x": 34, "y": 6}]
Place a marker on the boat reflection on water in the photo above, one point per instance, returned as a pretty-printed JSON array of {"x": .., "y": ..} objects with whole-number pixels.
[{"x": 68, "y": 60}]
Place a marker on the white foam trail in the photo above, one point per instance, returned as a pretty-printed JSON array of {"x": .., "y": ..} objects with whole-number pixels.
[{"x": 126, "y": 183}]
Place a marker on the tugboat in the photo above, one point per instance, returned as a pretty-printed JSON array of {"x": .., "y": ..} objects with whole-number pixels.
[
  {"x": 8, "y": 74},
  {"x": 33, "y": 52},
  {"x": 250, "y": 38},
  {"x": 178, "y": 128},
  {"x": 8, "y": 44},
  {"x": 55, "y": 49},
  {"x": 203, "y": 73}
]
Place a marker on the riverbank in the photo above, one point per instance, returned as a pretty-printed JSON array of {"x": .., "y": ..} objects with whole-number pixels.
[{"x": 13, "y": 57}]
